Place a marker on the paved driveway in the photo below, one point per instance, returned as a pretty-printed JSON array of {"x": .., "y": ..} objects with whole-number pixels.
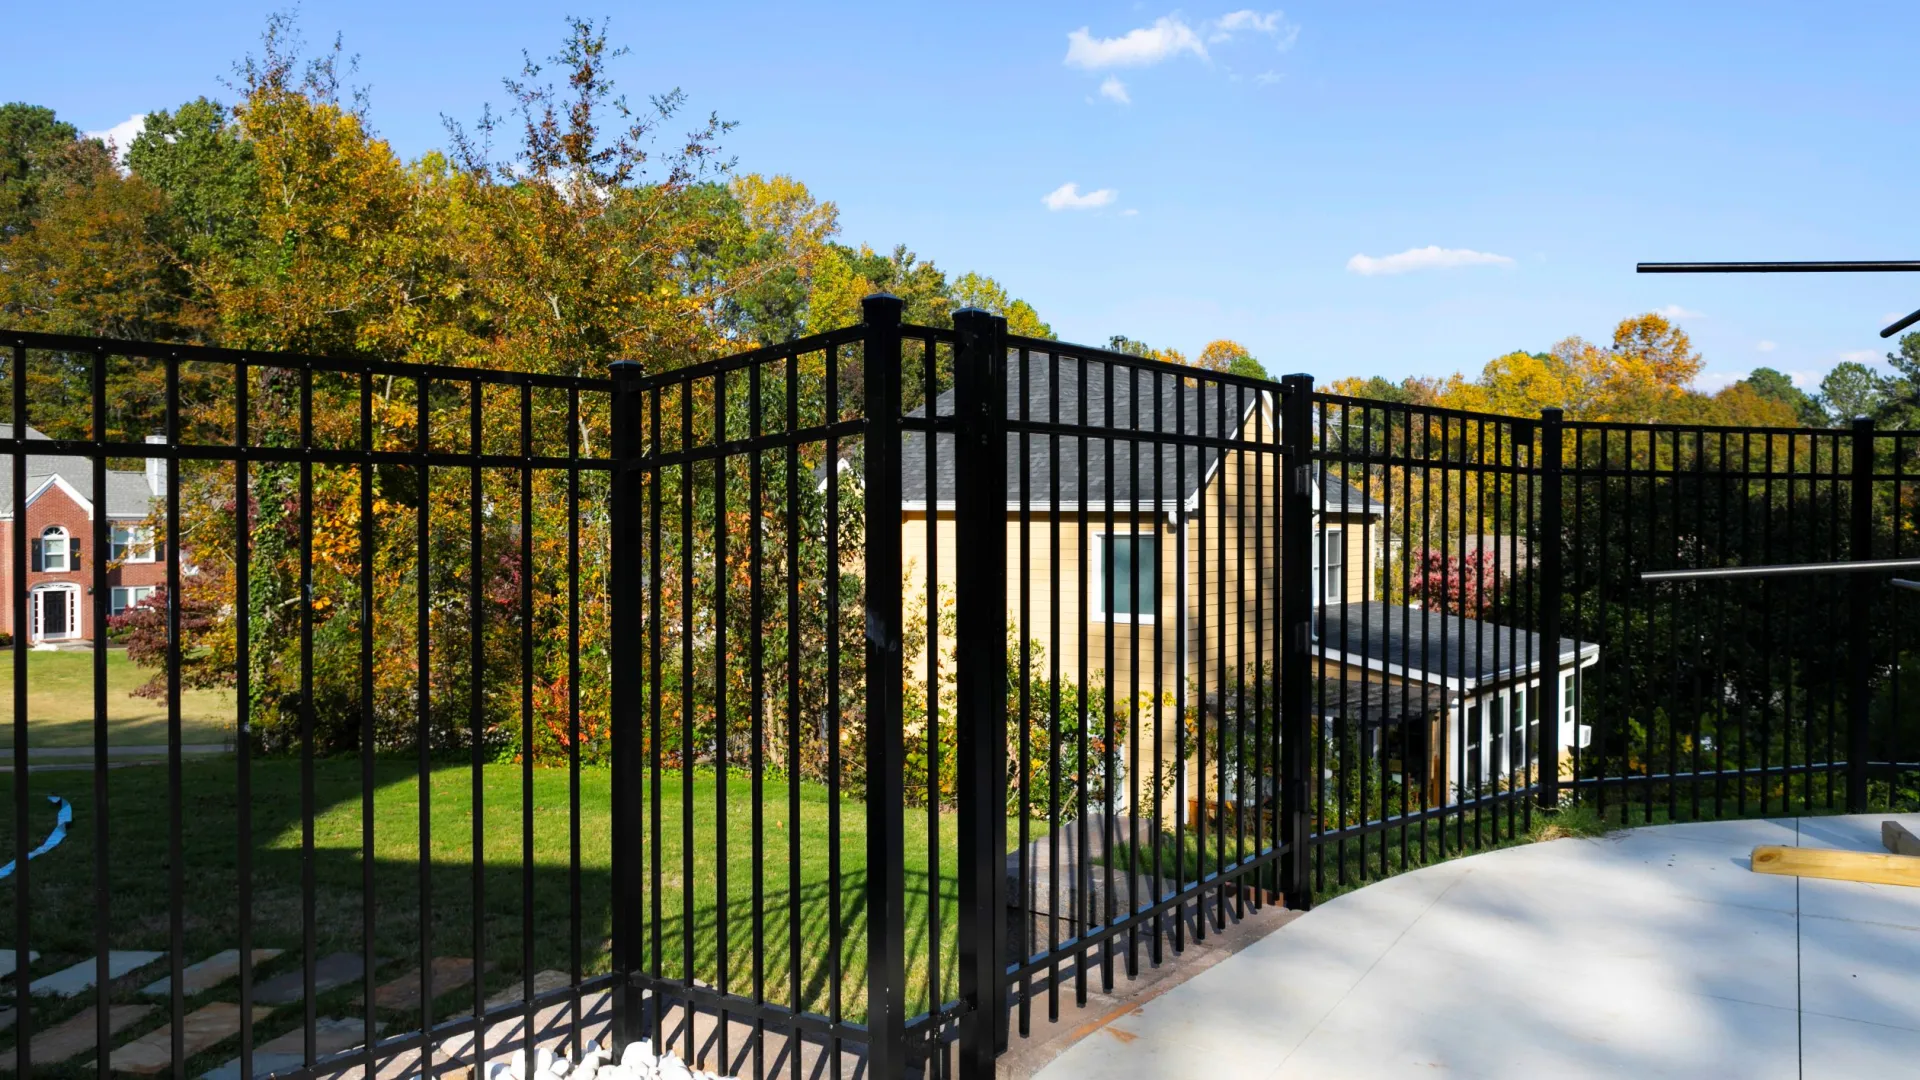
[{"x": 1651, "y": 953}]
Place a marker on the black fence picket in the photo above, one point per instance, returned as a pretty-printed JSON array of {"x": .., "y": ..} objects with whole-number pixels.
[{"x": 895, "y": 681}]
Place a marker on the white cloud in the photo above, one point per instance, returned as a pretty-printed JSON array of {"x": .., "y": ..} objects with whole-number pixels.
[
  {"x": 1675, "y": 311},
  {"x": 1431, "y": 257},
  {"x": 1861, "y": 356},
  {"x": 1273, "y": 23},
  {"x": 1069, "y": 197},
  {"x": 121, "y": 135},
  {"x": 1129, "y": 212},
  {"x": 1708, "y": 382},
  {"x": 1767, "y": 346},
  {"x": 1115, "y": 90},
  {"x": 1267, "y": 78},
  {"x": 1168, "y": 37},
  {"x": 1805, "y": 380}
]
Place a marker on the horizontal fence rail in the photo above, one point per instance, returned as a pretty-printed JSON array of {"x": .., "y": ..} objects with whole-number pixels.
[
  {"x": 1852, "y": 566},
  {"x": 830, "y": 708}
]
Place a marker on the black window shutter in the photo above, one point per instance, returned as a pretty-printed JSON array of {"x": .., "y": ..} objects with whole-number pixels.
[
  {"x": 73, "y": 554},
  {"x": 36, "y": 555}
]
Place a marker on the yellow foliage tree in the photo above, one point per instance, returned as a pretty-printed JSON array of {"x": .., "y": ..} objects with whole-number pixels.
[
  {"x": 1220, "y": 355},
  {"x": 1646, "y": 375}
]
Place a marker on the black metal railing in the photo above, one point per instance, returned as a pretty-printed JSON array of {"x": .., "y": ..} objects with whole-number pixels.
[
  {"x": 825, "y": 709},
  {"x": 378, "y": 589}
]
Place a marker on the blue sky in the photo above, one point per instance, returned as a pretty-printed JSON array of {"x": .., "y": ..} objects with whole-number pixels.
[{"x": 1249, "y": 155}]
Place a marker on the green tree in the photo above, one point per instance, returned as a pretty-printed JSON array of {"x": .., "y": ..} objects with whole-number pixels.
[
  {"x": 198, "y": 160},
  {"x": 1853, "y": 389},
  {"x": 1902, "y": 406},
  {"x": 1775, "y": 385},
  {"x": 32, "y": 144}
]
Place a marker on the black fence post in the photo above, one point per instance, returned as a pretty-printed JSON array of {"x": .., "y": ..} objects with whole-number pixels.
[
  {"x": 1552, "y": 573},
  {"x": 980, "y": 660},
  {"x": 1859, "y": 611},
  {"x": 627, "y": 691},
  {"x": 1296, "y": 613},
  {"x": 886, "y": 751}
]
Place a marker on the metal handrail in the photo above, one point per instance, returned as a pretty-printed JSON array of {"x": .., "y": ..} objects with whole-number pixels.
[{"x": 1856, "y": 566}]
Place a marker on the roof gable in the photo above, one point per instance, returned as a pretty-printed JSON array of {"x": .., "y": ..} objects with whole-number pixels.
[
  {"x": 128, "y": 494},
  {"x": 1094, "y": 469},
  {"x": 1072, "y": 470}
]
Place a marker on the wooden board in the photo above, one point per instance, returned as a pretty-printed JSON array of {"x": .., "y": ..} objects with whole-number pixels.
[
  {"x": 1867, "y": 866},
  {"x": 1898, "y": 839}
]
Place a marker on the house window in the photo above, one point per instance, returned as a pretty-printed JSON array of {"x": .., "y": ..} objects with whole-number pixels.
[
  {"x": 1127, "y": 574},
  {"x": 53, "y": 550},
  {"x": 122, "y": 599},
  {"x": 1500, "y": 749},
  {"x": 1530, "y": 707},
  {"x": 1330, "y": 546},
  {"x": 1520, "y": 740},
  {"x": 131, "y": 543},
  {"x": 1474, "y": 750}
]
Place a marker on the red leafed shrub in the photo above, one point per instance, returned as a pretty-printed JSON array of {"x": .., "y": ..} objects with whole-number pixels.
[{"x": 1456, "y": 584}]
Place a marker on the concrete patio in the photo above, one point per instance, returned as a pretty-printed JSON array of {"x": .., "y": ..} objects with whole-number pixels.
[{"x": 1650, "y": 953}]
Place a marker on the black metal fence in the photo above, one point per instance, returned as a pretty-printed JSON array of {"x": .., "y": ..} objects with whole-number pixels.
[
  {"x": 826, "y": 709},
  {"x": 375, "y": 590}
]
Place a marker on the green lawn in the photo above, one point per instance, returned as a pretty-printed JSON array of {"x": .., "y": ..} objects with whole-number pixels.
[
  {"x": 60, "y": 703},
  {"x": 62, "y": 882}
]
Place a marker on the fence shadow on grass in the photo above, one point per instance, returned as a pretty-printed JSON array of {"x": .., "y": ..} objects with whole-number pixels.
[{"x": 62, "y": 891}]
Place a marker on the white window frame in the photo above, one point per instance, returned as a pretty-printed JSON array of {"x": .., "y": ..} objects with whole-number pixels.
[
  {"x": 124, "y": 597},
  {"x": 1524, "y": 699},
  {"x": 51, "y": 533},
  {"x": 136, "y": 548},
  {"x": 1097, "y": 567},
  {"x": 1334, "y": 540}
]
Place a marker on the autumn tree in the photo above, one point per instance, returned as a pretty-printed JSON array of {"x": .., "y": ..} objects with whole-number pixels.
[
  {"x": 1230, "y": 357},
  {"x": 971, "y": 290},
  {"x": 94, "y": 262},
  {"x": 1646, "y": 374}
]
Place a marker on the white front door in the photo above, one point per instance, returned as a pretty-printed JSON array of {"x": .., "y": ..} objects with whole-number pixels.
[{"x": 56, "y": 613}]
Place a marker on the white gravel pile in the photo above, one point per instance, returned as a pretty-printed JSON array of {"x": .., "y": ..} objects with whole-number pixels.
[{"x": 637, "y": 1062}]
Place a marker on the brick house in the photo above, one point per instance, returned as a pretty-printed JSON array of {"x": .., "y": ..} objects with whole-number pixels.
[{"x": 60, "y": 540}]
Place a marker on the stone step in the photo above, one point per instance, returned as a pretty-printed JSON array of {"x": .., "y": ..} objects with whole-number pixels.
[
  {"x": 8, "y": 963},
  {"x": 331, "y": 972},
  {"x": 543, "y": 982},
  {"x": 402, "y": 994},
  {"x": 75, "y": 1035},
  {"x": 203, "y": 1027},
  {"x": 79, "y": 978},
  {"x": 288, "y": 1053},
  {"x": 207, "y": 974}
]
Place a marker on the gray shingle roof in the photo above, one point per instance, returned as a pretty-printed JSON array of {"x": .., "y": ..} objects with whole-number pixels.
[
  {"x": 1375, "y": 703},
  {"x": 1142, "y": 401},
  {"x": 128, "y": 495},
  {"x": 1452, "y": 646}
]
